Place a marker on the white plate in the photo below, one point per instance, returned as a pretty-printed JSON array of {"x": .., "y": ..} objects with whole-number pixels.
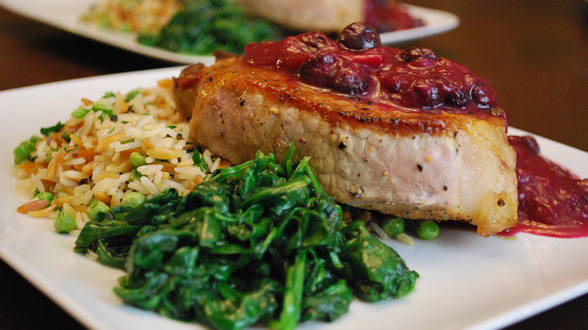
[
  {"x": 65, "y": 14},
  {"x": 466, "y": 280},
  {"x": 436, "y": 21}
]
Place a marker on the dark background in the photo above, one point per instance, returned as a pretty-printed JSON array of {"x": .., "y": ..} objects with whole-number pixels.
[{"x": 533, "y": 52}]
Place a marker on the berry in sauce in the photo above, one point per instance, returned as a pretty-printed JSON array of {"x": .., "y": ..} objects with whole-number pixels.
[
  {"x": 290, "y": 53},
  {"x": 335, "y": 72},
  {"x": 359, "y": 36},
  {"x": 411, "y": 80},
  {"x": 416, "y": 53}
]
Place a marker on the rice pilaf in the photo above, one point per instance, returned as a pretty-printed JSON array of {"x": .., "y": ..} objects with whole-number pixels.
[
  {"x": 140, "y": 16},
  {"x": 88, "y": 158}
]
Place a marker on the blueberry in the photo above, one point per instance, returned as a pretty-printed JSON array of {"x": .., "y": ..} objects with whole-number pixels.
[
  {"x": 456, "y": 97},
  {"x": 332, "y": 71},
  {"x": 413, "y": 54},
  {"x": 318, "y": 71},
  {"x": 313, "y": 41},
  {"x": 479, "y": 96},
  {"x": 428, "y": 94},
  {"x": 349, "y": 81},
  {"x": 359, "y": 36}
]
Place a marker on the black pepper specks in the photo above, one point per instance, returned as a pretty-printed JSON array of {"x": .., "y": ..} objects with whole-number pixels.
[
  {"x": 501, "y": 202},
  {"x": 242, "y": 102},
  {"x": 420, "y": 167},
  {"x": 445, "y": 188},
  {"x": 455, "y": 134},
  {"x": 342, "y": 145}
]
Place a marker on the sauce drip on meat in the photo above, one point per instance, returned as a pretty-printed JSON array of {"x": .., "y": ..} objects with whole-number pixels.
[
  {"x": 357, "y": 65},
  {"x": 389, "y": 16},
  {"x": 552, "y": 200}
]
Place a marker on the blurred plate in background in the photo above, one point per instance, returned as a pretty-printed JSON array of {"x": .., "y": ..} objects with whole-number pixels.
[
  {"x": 65, "y": 14},
  {"x": 436, "y": 21}
]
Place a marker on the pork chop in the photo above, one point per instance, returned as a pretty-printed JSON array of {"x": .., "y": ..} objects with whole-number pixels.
[{"x": 370, "y": 147}]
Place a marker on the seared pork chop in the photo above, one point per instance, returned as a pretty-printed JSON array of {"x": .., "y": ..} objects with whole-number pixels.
[{"x": 368, "y": 148}]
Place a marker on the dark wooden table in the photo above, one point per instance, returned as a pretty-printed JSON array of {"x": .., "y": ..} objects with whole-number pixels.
[{"x": 533, "y": 52}]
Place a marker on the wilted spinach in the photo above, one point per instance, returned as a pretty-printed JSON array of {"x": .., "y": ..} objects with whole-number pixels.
[
  {"x": 205, "y": 26},
  {"x": 256, "y": 243}
]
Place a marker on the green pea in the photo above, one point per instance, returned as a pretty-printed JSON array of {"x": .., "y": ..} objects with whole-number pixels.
[
  {"x": 393, "y": 226},
  {"x": 45, "y": 195},
  {"x": 135, "y": 175},
  {"x": 65, "y": 222},
  {"x": 137, "y": 159},
  {"x": 133, "y": 199},
  {"x": 96, "y": 208},
  {"x": 428, "y": 230},
  {"x": 23, "y": 151}
]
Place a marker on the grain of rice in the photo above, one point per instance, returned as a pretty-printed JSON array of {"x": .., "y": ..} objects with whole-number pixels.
[
  {"x": 73, "y": 175},
  {"x": 38, "y": 184},
  {"x": 42, "y": 213},
  {"x": 149, "y": 186},
  {"x": 67, "y": 208},
  {"x": 75, "y": 161},
  {"x": 379, "y": 231},
  {"x": 67, "y": 182},
  {"x": 403, "y": 238},
  {"x": 149, "y": 169}
]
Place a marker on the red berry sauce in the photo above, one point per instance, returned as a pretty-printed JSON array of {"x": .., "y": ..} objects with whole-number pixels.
[
  {"x": 356, "y": 64},
  {"x": 552, "y": 200},
  {"x": 389, "y": 16}
]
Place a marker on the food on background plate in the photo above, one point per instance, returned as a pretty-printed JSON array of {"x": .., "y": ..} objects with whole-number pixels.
[
  {"x": 191, "y": 26},
  {"x": 398, "y": 131},
  {"x": 202, "y": 27},
  {"x": 144, "y": 16},
  {"x": 332, "y": 15}
]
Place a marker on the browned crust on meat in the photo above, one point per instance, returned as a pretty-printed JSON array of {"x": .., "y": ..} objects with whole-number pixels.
[{"x": 333, "y": 107}]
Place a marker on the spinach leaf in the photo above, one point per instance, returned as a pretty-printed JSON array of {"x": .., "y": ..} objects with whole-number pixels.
[
  {"x": 203, "y": 27},
  {"x": 376, "y": 271},
  {"x": 256, "y": 243}
]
